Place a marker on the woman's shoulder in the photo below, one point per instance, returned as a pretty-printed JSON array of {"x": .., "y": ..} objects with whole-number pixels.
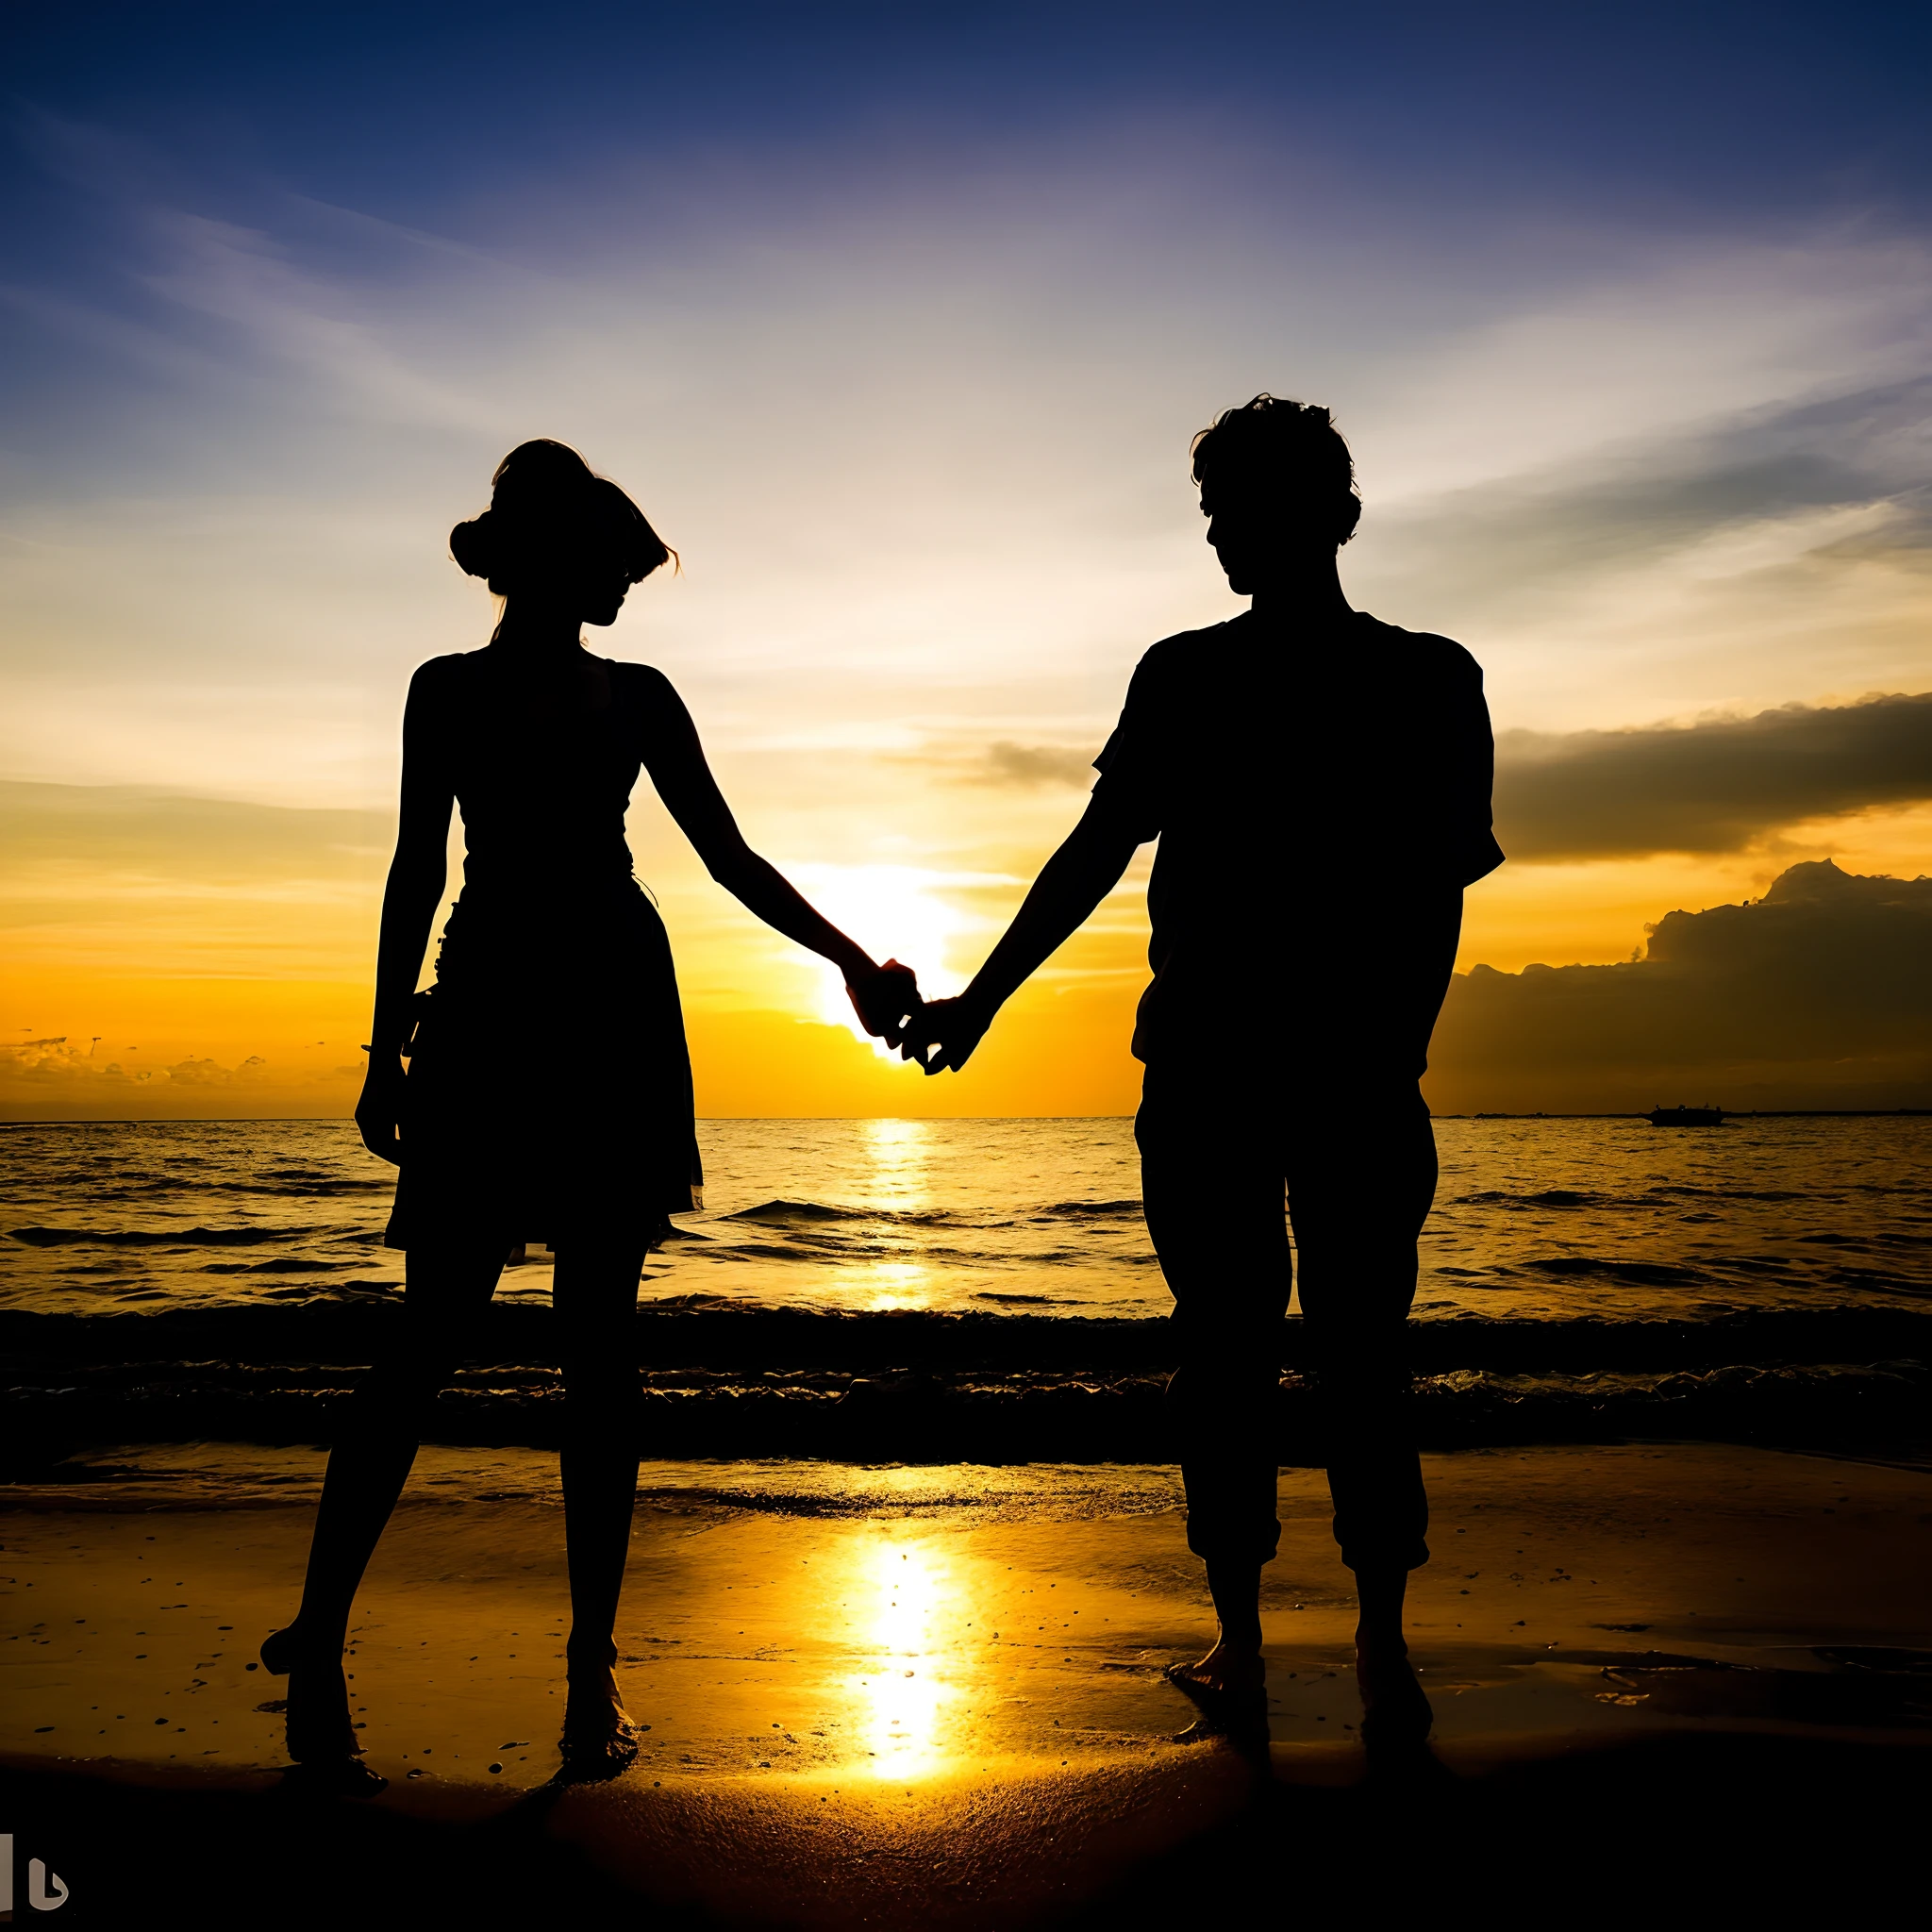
[
  {"x": 640, "y": 687},
  {"x": 440, "y": 673},
  {"x": 439, "y": 684},
  {"x": 638, "y": 677}
]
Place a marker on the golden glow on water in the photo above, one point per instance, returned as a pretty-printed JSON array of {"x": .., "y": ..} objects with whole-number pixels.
[
  {"x": 901, "y": 1152},
  {"x": 899, "y": 1155},
  {"x": 909, "y": 1627},
  {"x": 889, "y": 1285}
]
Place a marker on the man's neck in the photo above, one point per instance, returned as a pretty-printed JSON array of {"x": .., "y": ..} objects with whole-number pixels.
[{"x": 1308, "y": 596}]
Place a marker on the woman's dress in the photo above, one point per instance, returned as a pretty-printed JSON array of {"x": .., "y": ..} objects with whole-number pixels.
[{"x": 549, "y": 1090}]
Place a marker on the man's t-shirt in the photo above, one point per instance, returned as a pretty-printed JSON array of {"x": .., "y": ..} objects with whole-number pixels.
[{"x": 1318, "y": 794}]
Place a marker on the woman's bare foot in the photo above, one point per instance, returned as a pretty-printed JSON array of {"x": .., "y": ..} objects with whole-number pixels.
[
  {"x": 1393, "y": 1704},
  {"x": 600, "y": 1737},
  {"x": 320, "y": 1734}
]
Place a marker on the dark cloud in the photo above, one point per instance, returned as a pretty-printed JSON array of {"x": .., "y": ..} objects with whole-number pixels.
[
  {"x": 1713, "y": 787},
  {"x": 1819, "y": 994},
  {"x": 1486, "y": 549},
  {"x": 1719, "y": 786},
  {"x": 1031, "y": 766}
]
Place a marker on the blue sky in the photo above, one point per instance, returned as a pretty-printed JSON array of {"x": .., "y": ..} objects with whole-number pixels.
[
  {"x": 421, "y": 109},
  {"x": 898, "y": 321}
]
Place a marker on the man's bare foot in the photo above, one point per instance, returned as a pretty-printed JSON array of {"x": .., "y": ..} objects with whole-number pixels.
[
  {"x": 600, "y": 1738},
  {"x": 1393, "y": 1700},
  {"x": 1229, "y": 1669}
]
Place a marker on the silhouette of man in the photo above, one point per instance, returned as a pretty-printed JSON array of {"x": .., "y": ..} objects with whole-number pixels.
[{"x": 1320, "y": 785}]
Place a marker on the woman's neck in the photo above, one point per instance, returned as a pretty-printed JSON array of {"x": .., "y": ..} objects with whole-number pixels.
[{"x": 539, "y": 630}]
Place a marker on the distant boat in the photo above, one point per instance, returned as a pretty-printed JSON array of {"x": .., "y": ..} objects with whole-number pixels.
[{"x": 1686, "y": 1116}]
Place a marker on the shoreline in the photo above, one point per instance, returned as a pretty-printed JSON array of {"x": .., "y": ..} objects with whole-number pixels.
[
  {"x": 723, "y": 1379},
  {"x": 214, "y": 1120}
]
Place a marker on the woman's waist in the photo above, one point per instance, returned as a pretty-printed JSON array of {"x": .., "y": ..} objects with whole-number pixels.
[
  {"x": 560, "y": 927},
  {"x": 552, "y": 877}
]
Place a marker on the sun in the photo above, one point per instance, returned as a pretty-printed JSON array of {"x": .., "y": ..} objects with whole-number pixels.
[{"x": 896, "y": 913}]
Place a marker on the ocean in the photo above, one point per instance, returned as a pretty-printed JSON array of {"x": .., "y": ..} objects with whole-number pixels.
[{"x": 984, "y": 1289}]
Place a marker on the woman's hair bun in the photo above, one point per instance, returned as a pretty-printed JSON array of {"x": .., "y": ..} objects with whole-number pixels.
[
  {"x": 551, "y": 517},
  {"x": 469, "y": 543}
]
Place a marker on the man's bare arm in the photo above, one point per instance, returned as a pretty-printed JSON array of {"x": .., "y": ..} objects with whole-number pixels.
[{"x": 1071, "y": 883}]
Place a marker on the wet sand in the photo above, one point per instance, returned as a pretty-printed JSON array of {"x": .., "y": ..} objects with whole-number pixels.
[{"x": 913, "y": 1716}]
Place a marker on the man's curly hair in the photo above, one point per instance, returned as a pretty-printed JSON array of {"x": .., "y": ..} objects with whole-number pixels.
[{"x": 1283, "y": 453}]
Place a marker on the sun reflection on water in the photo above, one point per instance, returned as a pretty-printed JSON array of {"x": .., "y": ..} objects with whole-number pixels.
[
  {"x": 898, "y": 1155},
  {"x": 909, "y": 1619},
  {"x": 889, "y": 1285}
]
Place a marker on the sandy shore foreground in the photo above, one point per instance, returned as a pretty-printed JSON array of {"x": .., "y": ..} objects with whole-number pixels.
[{"x": 904, "y": 1715}]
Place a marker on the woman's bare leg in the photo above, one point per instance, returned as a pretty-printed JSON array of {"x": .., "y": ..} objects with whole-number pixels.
[
  {"x": 595, "y": 1299},
  {"x": 448, "y": 1290}
]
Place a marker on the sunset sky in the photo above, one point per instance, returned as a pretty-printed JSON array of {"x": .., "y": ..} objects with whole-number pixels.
[{"x": 897, "y": 322}]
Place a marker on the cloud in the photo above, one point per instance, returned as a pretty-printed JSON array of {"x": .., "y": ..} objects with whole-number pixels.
[
  {"x": 1639, "y": 502},
  {"x": 132, "y": 829},
  {"x": 1716, "y": 785},
  {"x": 1819, "y": 994},
  {"x": 1747, "y": 549},
  {"x": 60, "y": 1079},
  {"x": 1030, "y": 766},
  {"x": 57, "y": 1065}
]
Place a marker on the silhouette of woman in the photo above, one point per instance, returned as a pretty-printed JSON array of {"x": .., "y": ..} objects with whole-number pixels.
[{"x": 548, "y": 1092}]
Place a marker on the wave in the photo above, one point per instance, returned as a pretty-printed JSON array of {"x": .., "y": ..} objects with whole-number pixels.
[
  {"x": 348, "y": 1322},
  {"x": 1652, "y": 1273},
  {"x": 822, "y": 1213},
  {"x": 177, "y": 1189},
  {"x": 290, "y": 1265},
  {"x": 784, "y": 1212},
  {"x": 1550, "y": 1197},
  {"x": 161, "y": 1238},
  {"x": 1663, "y": 1194},
  {"x": 1040, "y": 1416}
]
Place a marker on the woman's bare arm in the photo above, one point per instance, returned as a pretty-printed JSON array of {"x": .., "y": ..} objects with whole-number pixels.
[
  {"x": 675, "y": 760},
  {"x": 417, "y": 877}
]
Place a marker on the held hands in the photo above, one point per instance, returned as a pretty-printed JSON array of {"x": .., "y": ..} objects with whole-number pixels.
[
  {"x": 886, "y": 999},
  {"x": 888, "y": 1003},
  {"x": 955, "y": 1026}
]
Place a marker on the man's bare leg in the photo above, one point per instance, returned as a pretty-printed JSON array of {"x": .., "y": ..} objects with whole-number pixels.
[
  {"x": 1235, "y": 1664},
  {"x": 1391, "y": 1694}
]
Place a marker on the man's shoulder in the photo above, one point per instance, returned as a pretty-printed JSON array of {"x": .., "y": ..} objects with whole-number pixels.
[
  {"x": 1177, "y": 655},
  {"x": 1425, "y": 652}
]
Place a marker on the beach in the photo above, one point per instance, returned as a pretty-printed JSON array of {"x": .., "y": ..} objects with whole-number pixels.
[
  {"x": 909, "y": 1555},
  {"x": 932, "y": 1695}
]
